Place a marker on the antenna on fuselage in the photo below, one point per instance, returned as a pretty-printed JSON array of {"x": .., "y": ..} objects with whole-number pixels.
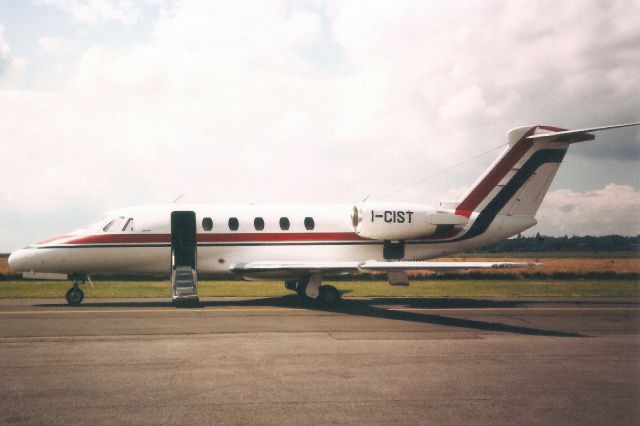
[{"x": 178, "y": 199}]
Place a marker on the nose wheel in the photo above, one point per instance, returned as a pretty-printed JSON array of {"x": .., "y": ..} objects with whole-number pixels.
[{"x": 75, "y": 295}]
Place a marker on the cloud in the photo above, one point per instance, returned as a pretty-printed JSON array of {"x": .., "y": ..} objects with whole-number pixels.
[
  {"x": 5, "y": 52},
  {"x": 91, "y": 12},
  {"x": 465, "y": 104},
  {"x": 51, "y": 44},
  {"x": 12, "y": 67},
  {"x": 610, "y": 210},
  {"x": 237, "y": 102}
]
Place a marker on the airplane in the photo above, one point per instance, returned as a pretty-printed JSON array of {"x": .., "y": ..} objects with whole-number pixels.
[{"x": 303, "y": 244}]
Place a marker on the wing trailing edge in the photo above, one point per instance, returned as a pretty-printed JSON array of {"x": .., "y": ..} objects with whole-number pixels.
[
  {"x": 272, "y": 269},
  {"x": 372, "y": 266}
]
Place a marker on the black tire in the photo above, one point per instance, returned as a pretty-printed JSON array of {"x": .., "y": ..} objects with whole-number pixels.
[
  {"x": 329, "y": 295},
  {"x": 291, "y": 285},
  {"x": 74, "y": 296}
]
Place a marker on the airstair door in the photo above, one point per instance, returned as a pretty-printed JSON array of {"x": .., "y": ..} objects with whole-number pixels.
[{"x": 184, "y": 256}]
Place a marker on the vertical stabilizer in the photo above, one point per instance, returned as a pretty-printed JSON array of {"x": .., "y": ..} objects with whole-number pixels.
[
  {"x": 518, "y": 180},
  {"x": 515, "y": 184}
]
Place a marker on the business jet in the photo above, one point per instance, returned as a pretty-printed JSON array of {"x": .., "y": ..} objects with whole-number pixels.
[{"x": 303, "y": 244}]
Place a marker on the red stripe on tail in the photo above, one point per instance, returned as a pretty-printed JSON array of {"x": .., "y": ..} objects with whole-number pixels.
[{"x": 482, "y": 190}]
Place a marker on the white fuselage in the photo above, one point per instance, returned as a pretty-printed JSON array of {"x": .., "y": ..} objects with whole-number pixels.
[{"x": 139, "y": 241}]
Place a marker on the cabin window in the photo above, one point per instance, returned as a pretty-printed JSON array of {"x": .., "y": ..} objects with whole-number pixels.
[
  {"x": 207, "y": 224},
  {"x": 309, "y": 223},
  {"x": 128, "y": 226},
  {"x": 258, "y": 223},
  {"x": 284, "y": 223},
  {"x": 233, "y": 223}
]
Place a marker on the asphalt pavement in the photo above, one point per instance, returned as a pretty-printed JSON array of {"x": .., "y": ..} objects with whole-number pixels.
[{"x": 284, "y": 361}]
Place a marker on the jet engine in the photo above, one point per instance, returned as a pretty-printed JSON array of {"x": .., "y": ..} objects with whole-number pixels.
[{"x": 394, "y": 221}]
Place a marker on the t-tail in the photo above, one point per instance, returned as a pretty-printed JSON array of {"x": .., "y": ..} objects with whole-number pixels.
[{"x": 505, "y": 199}]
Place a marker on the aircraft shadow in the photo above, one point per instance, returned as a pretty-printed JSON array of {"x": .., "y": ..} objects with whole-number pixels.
[
  {"x": 374, "y": 308},
  {"x": 371, "y": 310}
]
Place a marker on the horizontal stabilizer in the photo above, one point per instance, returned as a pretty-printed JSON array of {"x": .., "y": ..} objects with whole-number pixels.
[{"x": 579, "y": 135}]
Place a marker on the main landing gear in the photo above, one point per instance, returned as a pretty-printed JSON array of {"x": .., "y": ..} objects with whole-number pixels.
[
  {"x": 309, "y": 288},
  {"x": 75, "y": 295}
]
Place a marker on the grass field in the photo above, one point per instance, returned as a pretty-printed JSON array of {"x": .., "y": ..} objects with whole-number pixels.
[
  {"x": 433, "y": 288},
  {"x": 551, "y": 254},
  {"x": 552, "y": 267},
  {"x": 582, "y": 275}
]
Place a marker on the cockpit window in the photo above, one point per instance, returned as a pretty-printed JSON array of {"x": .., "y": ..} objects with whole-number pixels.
[
  {"x": 115, "y": 225},
  {"x": 128, "y": 226},
  {"x": 108, "y": 226},
  {"x": 97, "y": 226}
]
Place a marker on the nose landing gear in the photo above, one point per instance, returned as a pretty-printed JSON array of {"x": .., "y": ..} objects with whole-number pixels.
[{"x": 75, "y": 295}]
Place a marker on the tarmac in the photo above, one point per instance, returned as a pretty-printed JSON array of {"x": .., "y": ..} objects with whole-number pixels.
[{"x": 284, "y": 361}]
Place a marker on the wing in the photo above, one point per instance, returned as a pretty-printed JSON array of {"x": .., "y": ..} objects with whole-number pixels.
[
  {"x": 372, "y": 266},
  {"x": 286, "y": 270}
]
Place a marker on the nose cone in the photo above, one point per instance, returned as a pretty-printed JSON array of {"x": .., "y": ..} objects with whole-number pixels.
[{"x": 19, "y": 260}]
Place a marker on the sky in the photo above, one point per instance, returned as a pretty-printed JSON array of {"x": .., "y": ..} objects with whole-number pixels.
[{"x": 113, "y": 103}]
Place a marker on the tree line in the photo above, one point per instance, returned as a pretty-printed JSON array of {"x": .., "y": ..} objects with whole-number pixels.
[{"x": 587, "y": 243}]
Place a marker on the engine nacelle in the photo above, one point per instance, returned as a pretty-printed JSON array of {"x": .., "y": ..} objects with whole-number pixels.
[{"x": 394, "y": 221}]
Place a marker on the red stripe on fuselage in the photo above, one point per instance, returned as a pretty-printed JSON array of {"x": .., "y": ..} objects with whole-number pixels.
[
  {"x": 127, "y": 238},
  {"x": 60, "y": 237},
  {"x": 277, "y": 237},
  {"x": 482, "y": 190}
]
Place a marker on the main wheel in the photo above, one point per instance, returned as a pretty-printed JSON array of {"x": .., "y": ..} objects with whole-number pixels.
[
  {"x": 291, "y": 285},
  {"x": 302, "y": 293},
  {"x": 329, "y": 295},
  {"x": 74, "y": 296}
]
